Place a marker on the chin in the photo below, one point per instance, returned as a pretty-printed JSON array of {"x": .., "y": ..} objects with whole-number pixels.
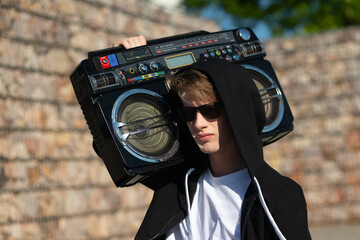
[{"x": 208, "y": 149}]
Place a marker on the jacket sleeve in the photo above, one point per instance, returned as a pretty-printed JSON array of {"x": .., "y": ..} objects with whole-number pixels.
[
  {"x": 165, "y": 176},
  {"x": 290, "y": 212}
]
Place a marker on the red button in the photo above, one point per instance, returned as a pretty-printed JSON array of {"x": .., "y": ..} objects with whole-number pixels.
[{"x": 105, "y": 63}]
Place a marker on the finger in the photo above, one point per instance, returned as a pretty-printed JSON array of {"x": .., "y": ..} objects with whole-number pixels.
[
  {"x": 116, "y": 44},
  {"x": 126, "y": 43},
  {"x": 140, "y": 40},
  {"x": 132, "y": 42}
]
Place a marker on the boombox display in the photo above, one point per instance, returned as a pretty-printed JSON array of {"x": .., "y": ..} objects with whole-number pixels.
[{"x": 129, "y": 109}]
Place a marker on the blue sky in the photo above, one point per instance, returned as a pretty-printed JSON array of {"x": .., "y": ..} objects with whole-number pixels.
[
  {"x": 226, "y": 23},
  {"x": 223, "y": 18}
]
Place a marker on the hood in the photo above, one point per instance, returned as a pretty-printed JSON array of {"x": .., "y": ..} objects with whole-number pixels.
[
  {"x": 243, "y": 106},
  {"x": 246, "y": 116}
]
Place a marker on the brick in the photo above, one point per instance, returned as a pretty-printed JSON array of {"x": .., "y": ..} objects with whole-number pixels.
[{"x": 53, "y": 186}]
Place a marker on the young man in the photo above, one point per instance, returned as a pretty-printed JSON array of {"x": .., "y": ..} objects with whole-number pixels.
[{"x": 233, "y": 194}]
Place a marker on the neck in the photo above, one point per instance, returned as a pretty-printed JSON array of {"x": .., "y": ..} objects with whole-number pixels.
[{"x": 226, "y": 162}]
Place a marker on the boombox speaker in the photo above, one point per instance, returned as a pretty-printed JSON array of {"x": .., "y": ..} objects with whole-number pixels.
[{"x": 130, "y": 111}]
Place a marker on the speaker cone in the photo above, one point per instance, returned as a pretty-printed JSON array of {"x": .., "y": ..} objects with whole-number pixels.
[
  {"x": 141, "y": 122},
  {"x": 270, "y": 95}
]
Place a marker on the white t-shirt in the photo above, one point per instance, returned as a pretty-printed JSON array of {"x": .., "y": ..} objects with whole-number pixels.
[{"x": 216, "y": 209}]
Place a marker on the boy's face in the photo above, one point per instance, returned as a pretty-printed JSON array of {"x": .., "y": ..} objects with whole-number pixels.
[{"x": 213, "y": 136}]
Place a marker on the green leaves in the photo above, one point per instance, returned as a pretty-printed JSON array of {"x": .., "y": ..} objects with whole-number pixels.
[{"x": 297, "y": 16}]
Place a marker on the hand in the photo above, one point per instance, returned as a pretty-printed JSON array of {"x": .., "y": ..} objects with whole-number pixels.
[{"x": 132, "y": 42}]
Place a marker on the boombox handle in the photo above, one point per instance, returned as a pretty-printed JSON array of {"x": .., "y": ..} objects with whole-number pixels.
[{"x": 150, "y": 42}]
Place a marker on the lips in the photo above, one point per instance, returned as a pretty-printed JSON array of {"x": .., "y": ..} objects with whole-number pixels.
[{"x": 204, "y": 136}]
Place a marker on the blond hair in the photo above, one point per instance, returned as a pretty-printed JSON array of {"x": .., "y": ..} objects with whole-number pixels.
[{"x": 194, "y": 81}]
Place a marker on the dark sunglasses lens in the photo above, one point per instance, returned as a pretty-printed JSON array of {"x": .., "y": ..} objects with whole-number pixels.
[
  {"x": 210, "y": 111},
  {"x": 188, "y": 114}
]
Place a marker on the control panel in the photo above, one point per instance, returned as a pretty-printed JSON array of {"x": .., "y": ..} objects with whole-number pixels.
[{"x": 119, "y": 67}]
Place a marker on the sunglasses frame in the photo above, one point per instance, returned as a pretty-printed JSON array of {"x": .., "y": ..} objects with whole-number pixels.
[{"x": 188, "y": 114}]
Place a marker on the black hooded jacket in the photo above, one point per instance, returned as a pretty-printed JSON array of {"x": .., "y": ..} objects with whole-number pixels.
[{"x": 274, "y": 206}]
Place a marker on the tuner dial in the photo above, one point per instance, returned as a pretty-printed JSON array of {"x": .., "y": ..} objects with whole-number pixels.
[
  {"x": 154, "y": 66},
  {"x": 142, "y": 68}
]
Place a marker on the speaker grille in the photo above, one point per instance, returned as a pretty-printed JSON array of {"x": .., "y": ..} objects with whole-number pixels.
[
  {"x": 270, "y": 95},
  {"x": 142, "y": 125}
]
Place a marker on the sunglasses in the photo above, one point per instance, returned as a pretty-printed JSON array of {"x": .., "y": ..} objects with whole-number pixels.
[{"x": 209, "y": 111}]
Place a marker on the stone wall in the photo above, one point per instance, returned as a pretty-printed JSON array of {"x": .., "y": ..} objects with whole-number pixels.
[
  {"x": 320, "y": 75},
  {"x": 52, "y": 185}
]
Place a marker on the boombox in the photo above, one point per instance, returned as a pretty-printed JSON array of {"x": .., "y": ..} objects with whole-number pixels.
[{"x": 130, "y": 110}]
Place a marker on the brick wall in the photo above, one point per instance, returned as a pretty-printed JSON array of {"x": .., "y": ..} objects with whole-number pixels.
[
  {"x": 52, "y": 186},
  {"x": 320, "y": 75}
]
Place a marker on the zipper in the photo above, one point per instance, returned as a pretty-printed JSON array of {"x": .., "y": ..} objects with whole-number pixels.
[
  {"x": 247, "y": 216},
  {"x": 267, "y": 212},
  {"x": 179, "y": 215}
]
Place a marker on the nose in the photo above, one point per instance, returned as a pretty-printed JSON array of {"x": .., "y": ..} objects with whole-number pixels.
[{"x": 199, "y": 121}]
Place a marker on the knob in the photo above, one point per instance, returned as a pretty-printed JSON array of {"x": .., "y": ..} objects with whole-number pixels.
[
  {"x": 142, "y": 68},
  {"x": 244, "y": 34},
  {"x": 122, "y": 79},
  {"x": 154, "y": 66},
  {"x": 228, "y": 58}
]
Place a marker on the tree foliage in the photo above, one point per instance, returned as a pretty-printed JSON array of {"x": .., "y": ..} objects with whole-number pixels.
[{"x": 288, "y": 15}]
